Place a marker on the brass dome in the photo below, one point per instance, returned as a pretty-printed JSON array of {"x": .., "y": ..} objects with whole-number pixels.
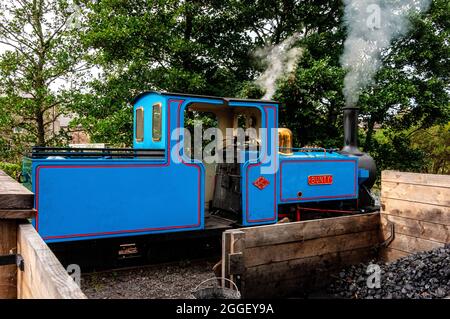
[{"x": 285, "y": 141}]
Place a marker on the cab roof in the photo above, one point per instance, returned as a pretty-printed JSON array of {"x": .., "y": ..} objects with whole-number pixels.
[{"x": 225, "y": 99}]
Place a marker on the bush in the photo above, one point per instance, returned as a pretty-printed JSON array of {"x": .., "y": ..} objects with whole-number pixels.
[{"x": 11, "y": 169}]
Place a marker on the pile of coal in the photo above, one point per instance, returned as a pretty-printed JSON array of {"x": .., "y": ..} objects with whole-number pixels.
[{"x": 424, "y": 275}]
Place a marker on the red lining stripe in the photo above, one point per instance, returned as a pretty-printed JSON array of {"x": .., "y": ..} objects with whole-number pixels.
[
  {"x": 296, "y": 199},
  {"x": 258, "y": 164}
]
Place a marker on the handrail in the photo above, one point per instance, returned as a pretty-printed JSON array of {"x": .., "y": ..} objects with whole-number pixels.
[
  {"x": 42, "y": 152},
  {"x": 311, "y": 149}
]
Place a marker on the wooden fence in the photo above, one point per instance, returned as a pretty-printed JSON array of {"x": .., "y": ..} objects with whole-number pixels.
[
  {"x": 278, "y": 260},
  {"x": 36, "y": 272},
  {"x": 416, "y": 207}
]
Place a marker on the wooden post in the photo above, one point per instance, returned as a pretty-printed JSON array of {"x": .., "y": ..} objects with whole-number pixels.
[
  {"x": 16, "y": 205},
  {"x": 226, "y": 246},
  {"x": 8, "y": 278},
  {"x": 232, "y": 257},
  {"x": 43, "y": 277}
]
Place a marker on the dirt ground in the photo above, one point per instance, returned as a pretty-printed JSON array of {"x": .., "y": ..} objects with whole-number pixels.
[{"x": 151, "y": 282}]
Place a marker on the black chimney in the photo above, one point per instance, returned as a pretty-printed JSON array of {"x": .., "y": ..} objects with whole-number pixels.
[
  {"x": 351, "y": 131},
  {"x": 351, "y": 144}
]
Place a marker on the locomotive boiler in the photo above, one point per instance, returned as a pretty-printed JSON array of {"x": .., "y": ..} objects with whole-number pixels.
[{"x": 158, "y": 187}]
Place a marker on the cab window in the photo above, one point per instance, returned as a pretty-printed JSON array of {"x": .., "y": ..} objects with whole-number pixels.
[
  {"x": 139, "y": 124},
  {"x": 157, "y": 122}
]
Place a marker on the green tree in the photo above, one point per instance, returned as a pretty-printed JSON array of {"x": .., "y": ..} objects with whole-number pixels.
[
  {"x": 37, "y": 70},
  {"x": 199, "y": 47},
  {"x": 434, "y": 142},
  {"x": 411, "y": 91}
]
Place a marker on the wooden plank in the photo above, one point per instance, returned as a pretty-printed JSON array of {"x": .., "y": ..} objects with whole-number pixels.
[
  {"x": 287, "y": 268},
  {"x": 389, "y": 254},
  {"x": 44, "y": 277},
  {"x": 418, "y": 211},
  {"x": 416, "y": 178},
  {"x": 17, "y": 213},
  {"x": 418, "y": 228},
  {"x": 286, "y": 277},
  {"x": 410, "y": 244},
  {"x": 416, "y": 193},
  {"x": 14, "y": 195},
  {"x": 275, "y": 253},
  {"x": 8, "y": 274},
  {"x": 237, "y": 265},
  {"x": 300, "y": 231}
]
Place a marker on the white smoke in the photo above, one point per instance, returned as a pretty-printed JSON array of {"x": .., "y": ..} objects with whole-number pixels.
[
  {"x": 281, "y": 59},
  {"x": 372, "y": 25}
]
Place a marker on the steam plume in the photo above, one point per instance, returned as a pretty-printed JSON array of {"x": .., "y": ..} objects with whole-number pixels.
[
  {"x": 372, "y": 25},
  {"x": 281, "y": 59}
]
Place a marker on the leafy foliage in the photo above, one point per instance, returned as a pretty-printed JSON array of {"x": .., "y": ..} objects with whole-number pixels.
[
  {"x": 434, "y": 142},
  {"x": 12, "y": 170},
  {"x": 42, "y": 52},
  {"x": 192, "y": 46}
]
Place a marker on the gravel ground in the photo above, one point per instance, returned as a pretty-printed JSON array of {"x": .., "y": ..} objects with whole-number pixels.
[
  {"x": 174, "y": 281},
  {"x": 421, "y": 276}
]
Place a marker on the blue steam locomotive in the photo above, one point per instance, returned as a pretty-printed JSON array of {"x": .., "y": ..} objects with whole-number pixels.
[{"x": 158, "y": 186}]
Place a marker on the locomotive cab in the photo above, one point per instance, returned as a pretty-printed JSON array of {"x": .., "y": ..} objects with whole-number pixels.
[{"x": 224, "y": 137}]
